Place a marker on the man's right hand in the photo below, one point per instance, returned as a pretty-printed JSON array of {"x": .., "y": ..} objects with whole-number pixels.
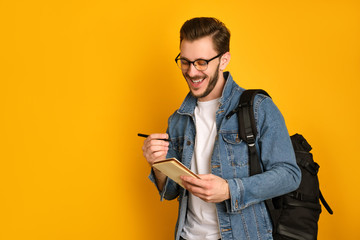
[{"x": 155, "y": 149}]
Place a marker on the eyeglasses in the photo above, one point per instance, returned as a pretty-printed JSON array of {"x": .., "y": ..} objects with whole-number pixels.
[{"x": 199, "y": 64}]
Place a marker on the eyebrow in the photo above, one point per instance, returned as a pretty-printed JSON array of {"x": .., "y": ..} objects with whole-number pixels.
[{"x": 184, "y": 58}]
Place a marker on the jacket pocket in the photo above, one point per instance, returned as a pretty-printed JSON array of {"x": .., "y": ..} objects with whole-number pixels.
[{"x": 237, "y": 153}]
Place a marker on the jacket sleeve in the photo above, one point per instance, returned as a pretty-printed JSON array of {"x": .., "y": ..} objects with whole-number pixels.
[
  {"x": 281, "y": 173},
  {"x": 171, "y": 188}
]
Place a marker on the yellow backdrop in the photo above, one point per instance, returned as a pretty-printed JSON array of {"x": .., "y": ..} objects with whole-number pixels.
[{"x": 79, "y": 79}]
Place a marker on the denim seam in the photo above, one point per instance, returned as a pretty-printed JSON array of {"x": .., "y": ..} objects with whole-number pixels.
[
  {"x": 256, "y": 111},
  {"x": 257, "y": 222}
]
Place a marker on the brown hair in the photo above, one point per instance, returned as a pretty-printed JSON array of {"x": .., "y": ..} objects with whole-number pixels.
[{"x": 197, "y": 28}]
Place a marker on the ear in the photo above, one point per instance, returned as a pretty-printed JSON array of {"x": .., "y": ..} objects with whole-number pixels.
[{"x": 224, "y": 61}]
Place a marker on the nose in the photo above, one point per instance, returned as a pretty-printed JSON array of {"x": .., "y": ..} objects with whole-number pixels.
[{"x": 192, "y": 71}]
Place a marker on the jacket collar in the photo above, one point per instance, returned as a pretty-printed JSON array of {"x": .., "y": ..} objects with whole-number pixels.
[{"x": 189, "y": 104}]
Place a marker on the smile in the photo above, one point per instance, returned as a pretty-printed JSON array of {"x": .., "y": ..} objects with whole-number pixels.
[{"x": 197, "y": 81}]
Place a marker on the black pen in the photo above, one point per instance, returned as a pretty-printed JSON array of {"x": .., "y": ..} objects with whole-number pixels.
[{"x": 145, "y": 136}]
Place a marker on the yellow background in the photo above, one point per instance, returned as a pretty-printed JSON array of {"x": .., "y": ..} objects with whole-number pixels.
[{"x": 79, "y": 80}]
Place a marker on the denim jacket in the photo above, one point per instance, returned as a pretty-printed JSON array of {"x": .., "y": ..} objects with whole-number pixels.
[{"x": 244, "y": 215}]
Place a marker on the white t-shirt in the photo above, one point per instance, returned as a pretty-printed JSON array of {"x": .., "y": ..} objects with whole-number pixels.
[{"x": 201, "y": 219}]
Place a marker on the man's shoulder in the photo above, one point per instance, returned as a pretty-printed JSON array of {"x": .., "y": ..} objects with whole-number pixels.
[{"x": 177, "y": 116}]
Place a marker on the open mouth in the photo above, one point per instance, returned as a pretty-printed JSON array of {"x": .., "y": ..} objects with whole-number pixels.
[{"x": 197, "y": 80}]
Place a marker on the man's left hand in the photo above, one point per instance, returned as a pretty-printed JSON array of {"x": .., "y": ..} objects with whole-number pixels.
[{"x": 209, "y": 188}]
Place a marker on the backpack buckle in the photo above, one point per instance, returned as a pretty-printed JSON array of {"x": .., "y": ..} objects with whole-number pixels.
[{"x": 250, "y": 139}]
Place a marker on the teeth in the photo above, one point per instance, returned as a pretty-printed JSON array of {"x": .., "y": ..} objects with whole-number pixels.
[{"x": 197, "y": 81}]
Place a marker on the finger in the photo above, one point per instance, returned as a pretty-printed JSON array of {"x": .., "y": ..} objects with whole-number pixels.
[
  {"x": 194, "y": 181},
  {"x": 151, "y": 147},
  {"x": 157, "y": 136},
  {"x": 206, "y": 194},
  {"x": 207, "y": 177},
  {"x": 157, "y": 148},
  {"x": 153, "y": 153},
  {"x": 202, "y": 193},
  {"x": 153, "y": 156},
  {"x": 158, "y": 155},
  {"x": 155, "y": 141},
  {"x": 196, "y": 190},
  {"x": 151, "y": 143}
]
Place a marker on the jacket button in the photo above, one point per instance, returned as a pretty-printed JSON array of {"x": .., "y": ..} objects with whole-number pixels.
[{"x": 188, "y": 143}]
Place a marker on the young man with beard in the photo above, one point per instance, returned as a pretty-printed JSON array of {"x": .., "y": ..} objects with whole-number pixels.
[{"x": 225, "y": 203}]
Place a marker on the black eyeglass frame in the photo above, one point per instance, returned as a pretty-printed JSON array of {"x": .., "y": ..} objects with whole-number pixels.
[{"x": 193, "y": 62}]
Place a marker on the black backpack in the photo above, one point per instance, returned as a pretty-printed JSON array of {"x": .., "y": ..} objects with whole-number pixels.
[{"x": 294, "y": 215}]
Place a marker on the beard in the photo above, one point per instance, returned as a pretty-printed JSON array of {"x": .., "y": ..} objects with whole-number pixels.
[{"x": 212, "y": 82}]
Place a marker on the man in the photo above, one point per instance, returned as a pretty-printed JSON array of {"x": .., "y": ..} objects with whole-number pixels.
[{"x": 225, "y": 203}]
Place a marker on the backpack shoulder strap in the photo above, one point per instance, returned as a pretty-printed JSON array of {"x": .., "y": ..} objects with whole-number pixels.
[{"x": 247, "y": 124}]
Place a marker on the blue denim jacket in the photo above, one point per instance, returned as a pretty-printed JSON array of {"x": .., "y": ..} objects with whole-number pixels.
[{"x": 244, "y": 215}]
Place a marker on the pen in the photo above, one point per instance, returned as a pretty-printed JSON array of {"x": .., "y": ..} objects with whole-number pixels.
[{"x": 145, "y": 136}]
